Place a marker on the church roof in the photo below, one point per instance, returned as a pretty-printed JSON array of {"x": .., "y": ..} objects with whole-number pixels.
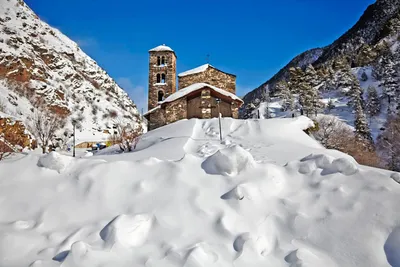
[
  {"x": 160, "y": 48},
  {"x": 199, "y": 69},
  {"x": 197, "y": 86}
]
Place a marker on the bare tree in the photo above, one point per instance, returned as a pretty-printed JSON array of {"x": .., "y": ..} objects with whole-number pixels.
[
  {"x": 333, "y": 133},
  {"x": 126, "y": 135},
  {"x": 5, "y": 150},
  {"x": 44, "y": 124}
]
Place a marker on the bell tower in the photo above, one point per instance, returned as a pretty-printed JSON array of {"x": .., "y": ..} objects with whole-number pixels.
[{"x": 162, "y": 74}]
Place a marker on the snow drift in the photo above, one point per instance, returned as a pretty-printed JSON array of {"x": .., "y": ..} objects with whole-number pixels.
[{"x": 267, "y": 196}]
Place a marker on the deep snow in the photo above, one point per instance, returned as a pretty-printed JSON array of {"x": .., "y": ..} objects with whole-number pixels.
[{"x": 268, "y": 195}]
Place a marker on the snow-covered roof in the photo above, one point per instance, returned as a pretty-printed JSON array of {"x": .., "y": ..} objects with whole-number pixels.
[
  {"x": 151, "y": 110},
  {"x": 160, "y": 48},
  {"x": 197, "y": 86},
  {"x": 195, "y": 70}
]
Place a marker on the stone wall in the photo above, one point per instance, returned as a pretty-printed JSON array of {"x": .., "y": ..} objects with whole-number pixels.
[
  {"x": 156, "y": 119},
  {"x": 211, "y": 76},
  {"x": 235, "y": 110},
  {"x": 168, "y": 69},
  {"x": 206, "y": 103},
  {"x": 175, "y": 111}
]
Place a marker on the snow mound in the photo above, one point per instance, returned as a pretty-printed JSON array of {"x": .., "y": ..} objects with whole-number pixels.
[
  {"x": 328, "y": 164},
  {"x": 395, "y": 177},
  {"x": 54, "y": 161},
  {"x": 169, "y": 209},
  {"x": 127, "y": 230},
  {"x": 344, "y": 166},
  {"x": 229, "y": 161},
  {"x": 392, "y": 248}
]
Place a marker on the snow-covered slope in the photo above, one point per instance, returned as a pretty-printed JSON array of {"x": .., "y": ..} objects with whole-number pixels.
[
  {"x": 185, "y": 199},
  {"x": 38, "y": 62}
]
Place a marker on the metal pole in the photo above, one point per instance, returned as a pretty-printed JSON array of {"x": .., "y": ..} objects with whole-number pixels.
[
  {"x": 73, "y": 149},
  {"x": 219, "y": 121}
]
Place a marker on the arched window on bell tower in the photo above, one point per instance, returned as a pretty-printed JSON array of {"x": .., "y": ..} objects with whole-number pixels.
[
  {"x": 163, "y": 78},
  {"x": 162, "y": 60},
  {"x": 158, "y": 78},
  {"x": 160, "y": 96},
  {"x": 158, "y": 61}
]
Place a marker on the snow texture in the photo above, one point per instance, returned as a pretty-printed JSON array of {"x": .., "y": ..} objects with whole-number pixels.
[
  {"x": 279, "y": 199},
  {"x": 199, "y": 69}
]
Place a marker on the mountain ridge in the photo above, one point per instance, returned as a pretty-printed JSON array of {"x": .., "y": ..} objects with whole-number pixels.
[{"x": 38, "y": 62}]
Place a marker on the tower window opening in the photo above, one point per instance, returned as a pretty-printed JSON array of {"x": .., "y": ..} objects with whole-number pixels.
[
  {"x": 160, "y": 96},
  {"x": 163, "y": 61},
  {"x": 158, "y": 61},
  {"x": 158, "y": 78},
  {"x": 163, "y": 78}
]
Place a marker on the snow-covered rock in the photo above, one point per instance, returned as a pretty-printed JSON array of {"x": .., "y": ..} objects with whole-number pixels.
[
  {"x": 127, "y": 230},
  {"x": 54, "y": 161},
  {"x": 229, "y": 161}
]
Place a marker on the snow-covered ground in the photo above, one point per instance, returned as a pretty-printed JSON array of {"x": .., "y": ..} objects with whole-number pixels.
[{"x": 268, "y": 195}]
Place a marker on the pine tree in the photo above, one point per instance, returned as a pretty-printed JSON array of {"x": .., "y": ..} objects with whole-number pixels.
[
  {"x": 297, "y": 85},
  {"x": 373, "y": 105},
  {"x": 330, "y": 105},
  {"x": 284, "y": 93},
  {"x": 311, "y": 93},
  {"x": 266, "y": 98},
  {"x": 364, "y": 77},
  {"x": 363, "y": 133},
  {"x": 388, "y": 143}
]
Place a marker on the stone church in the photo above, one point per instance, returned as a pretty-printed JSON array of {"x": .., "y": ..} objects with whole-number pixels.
[{"x": 201, "y": 91}]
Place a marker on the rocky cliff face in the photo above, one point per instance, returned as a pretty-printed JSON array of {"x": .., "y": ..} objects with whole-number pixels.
[
  {"x": 41, "y": 66},
  {"x": 370, "y": 43}
]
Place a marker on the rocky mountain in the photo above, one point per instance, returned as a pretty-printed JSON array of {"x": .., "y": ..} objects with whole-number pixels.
[
  {"x": 368, "y": 44},
  {"x": 41, "y": 66}
]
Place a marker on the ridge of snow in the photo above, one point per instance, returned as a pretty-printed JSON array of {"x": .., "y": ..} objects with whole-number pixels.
[
  {"x": 199, "y": 69},
  {"x": 161, "y": 48},
  {"x": 196, "y": 86}
]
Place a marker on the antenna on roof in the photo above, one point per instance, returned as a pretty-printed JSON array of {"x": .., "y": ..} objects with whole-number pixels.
[{"x": 208, "y": 58}]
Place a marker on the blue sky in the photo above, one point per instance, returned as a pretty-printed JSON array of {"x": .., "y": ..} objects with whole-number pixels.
[{"x": 250, "y": 38}]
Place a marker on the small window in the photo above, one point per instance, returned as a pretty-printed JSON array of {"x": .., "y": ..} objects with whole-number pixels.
[
  {"x": 158, "y": 78},
  {"x": 163, "y": 78},
  {"x": 158, "y": 61},
  {"x": 160, "y": 96},
  {"x": 163, "y": 61}
]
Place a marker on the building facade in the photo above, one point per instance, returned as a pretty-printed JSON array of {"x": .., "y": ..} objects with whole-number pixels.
[{"x": 204, "y": 92}]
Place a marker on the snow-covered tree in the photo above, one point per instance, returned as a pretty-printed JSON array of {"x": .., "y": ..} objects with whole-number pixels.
[
  {"x": 388, "y": 143},
  {"x": 266, "y": 98},
  {"x": 286, "y": 95},
  {"x": 388, "y": 68},
  {"x": 361, "y": 124},
  {"x": 44, "y": 124},
  {"x": 311, "y": 93},
  {"x": 330, "y": 105},
  {"x": 373, "y": 104}
]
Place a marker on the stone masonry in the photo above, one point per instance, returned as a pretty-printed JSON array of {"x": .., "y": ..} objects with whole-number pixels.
[
  {"x": 169, "y": 69},
  {"x": 175, "y": 111},
  {"x": 206, "y": 103},
  {"x": 211, "y": 76}
]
